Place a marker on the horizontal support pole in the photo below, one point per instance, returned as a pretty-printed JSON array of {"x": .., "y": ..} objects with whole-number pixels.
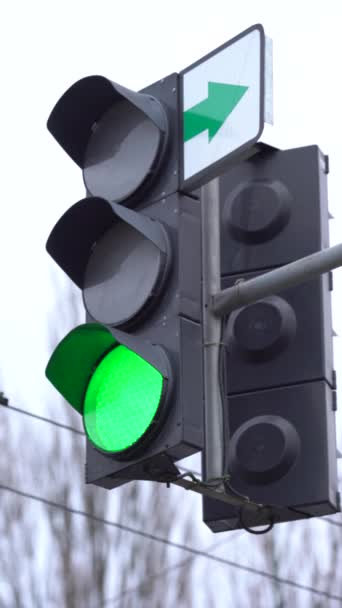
[{"x": 269, "y": 283}]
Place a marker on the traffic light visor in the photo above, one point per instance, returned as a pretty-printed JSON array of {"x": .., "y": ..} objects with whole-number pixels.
[
  {"x": 108, "y": 129},
  {"x": 119, "y": 258},
  {"x": 73, "y": 360}
]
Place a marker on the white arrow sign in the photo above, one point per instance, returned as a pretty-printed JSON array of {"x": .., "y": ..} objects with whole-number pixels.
[{"x": 223, "y": 106}]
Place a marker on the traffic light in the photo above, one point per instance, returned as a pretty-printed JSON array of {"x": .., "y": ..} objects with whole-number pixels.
[
  {"x": 133, "y": 371},
  {"x": 280, "y": 388}
]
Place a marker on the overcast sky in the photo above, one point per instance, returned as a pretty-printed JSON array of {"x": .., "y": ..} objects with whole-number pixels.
[{"x": 46, "y": 46}]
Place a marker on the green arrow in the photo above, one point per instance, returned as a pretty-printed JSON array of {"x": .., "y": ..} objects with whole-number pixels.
[{"x": 212, "y": 112}]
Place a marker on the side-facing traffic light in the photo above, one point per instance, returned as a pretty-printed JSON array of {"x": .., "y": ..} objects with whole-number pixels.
[
  {"x": 280, "y": 383},
  {"x": 134, "y": 369}
]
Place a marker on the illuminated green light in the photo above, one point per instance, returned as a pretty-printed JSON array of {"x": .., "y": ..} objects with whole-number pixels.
[{"x": 121, "y": 400}]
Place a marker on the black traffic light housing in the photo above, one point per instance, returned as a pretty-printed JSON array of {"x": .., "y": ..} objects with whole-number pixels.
[
  {"x": 133, "y": 247},
  {"x": 174, "y": 324},
  {"x": 280, "y": 444}
]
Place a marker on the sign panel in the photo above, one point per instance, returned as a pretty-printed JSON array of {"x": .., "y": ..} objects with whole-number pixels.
[{"x": 222, "y": 107}]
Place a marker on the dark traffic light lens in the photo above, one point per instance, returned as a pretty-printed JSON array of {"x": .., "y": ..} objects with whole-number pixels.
[
  {"x": 121, "y": 152},
  {"x": 122, "y": 400},
  {"x": 257, "y": 211},
  {"x": 263, "y": 449},
  {"x": 125, "y": 270},
  {"x": 263, "y": 330}
]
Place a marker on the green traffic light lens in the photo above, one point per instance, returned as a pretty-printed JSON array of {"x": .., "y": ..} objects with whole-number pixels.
[{"x": 121, "y": 401}]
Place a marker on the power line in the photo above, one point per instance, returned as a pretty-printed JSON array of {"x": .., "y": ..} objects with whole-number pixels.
[
  {"x": 67, "y": 427},
  {"x": 177, "y": 566},
  {"x": 167, "y": 570},
  {"x": 49, "y": 420},
  {"x": 332, "y": 522},
  {"x": 180, "y": 546},
  {"x": 5, "y": 404}
]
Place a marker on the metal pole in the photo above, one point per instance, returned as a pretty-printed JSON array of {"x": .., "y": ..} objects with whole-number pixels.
[
  {"x": 247, "y": 292},
  {"x": 211, "y": 269}
]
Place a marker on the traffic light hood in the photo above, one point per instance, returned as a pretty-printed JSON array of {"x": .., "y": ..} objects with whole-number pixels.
[
  {"x": 71, "y": 364},
  {"x": 85, "y": 102},
  {"x": 72, "y": 239},
  {"x": 76, "y": 357}
]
